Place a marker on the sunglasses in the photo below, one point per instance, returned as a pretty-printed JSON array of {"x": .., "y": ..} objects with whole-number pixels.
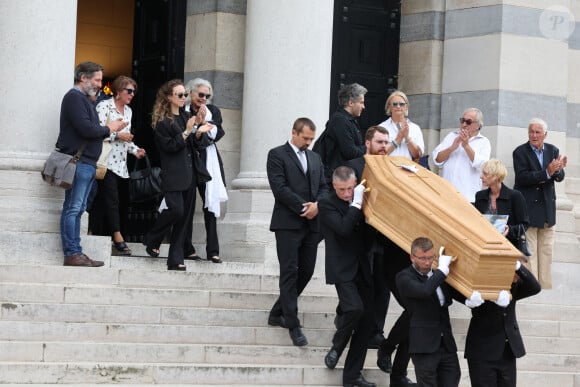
[
  {"x": 468, "y": 121},
  {"x": 182, "y": 95},
  {"x": 129, "y": 91},
  {"x": 401, "y": 104},
  {"x": 204, "y": 95}
]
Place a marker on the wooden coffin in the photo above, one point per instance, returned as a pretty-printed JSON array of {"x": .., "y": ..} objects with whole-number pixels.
[{"x": 404, "y": 205}]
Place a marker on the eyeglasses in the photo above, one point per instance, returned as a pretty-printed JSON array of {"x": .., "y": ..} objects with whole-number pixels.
[
  {"x": 424, "y": 259},
  {"x": 204, "y": 95},
  {"x": 182, "y": 95},
  {"x": 468, "y": 121},
  {"x": 401, "y": 104},
  {"x": 129, "y": 91}
]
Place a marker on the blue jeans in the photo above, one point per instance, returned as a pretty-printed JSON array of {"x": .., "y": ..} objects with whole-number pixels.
[{"x": 75, "y": 203}]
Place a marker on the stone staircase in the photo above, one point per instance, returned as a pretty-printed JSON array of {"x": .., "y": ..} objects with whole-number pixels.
[{"x": 132, "y": 322}]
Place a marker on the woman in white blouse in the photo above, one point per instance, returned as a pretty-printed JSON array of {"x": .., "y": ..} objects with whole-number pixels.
[{"x": 107, "y": 199}]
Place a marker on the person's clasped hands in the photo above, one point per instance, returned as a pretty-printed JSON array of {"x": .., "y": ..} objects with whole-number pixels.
[{"x": 357, "y": 197}]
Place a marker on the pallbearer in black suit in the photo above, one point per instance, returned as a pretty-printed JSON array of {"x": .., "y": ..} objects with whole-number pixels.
[
  {"x": 349, "y": 269},
  {"x": 427, "y": 297},
  {"x": 493, "y": 339},
  {"x": 296, "y": 177}
]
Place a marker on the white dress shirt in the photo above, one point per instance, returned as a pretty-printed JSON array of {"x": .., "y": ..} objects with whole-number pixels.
[
  {"x": 464, "y": 174},
  {"x": 415, "y": 135}
]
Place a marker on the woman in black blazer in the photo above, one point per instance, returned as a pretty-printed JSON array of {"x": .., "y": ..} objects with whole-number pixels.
[
  {"x": 173, "y": 127},
  {"x": 212, "y": 192},
  {"x": 501, "y": 200}
]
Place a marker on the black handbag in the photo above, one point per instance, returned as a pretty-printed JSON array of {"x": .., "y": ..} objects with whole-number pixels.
[
  {"x": 521, "y": 241},
  {"x": 145, "y": 184}
]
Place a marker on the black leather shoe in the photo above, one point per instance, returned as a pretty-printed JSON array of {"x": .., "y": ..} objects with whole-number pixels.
[
  {"x": 298, "y": 338},
  {"x": 360, "y": 382},
  {"x": 402, "y": 381},
  {"x": 331, "y": 358},
  {"x": 277, "y": 321},
  {"x": 384, "y": 361},
  {"x": 375, "y": 341}
]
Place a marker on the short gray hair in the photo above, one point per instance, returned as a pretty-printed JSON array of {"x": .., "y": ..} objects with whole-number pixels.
[
  {"x": 538, "y": 121},
  {"x": 478, "y": 114},
  {"x": 194, "y": 84},
  {"x": 352, "y": 92},
  {"x": 343, "y": 173}
]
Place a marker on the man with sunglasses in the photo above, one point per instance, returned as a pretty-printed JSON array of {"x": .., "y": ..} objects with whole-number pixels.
[{"x": 462, "y": 154}]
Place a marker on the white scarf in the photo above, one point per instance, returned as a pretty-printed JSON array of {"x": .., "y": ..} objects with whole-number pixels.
[{"x": 215, "y": 190}]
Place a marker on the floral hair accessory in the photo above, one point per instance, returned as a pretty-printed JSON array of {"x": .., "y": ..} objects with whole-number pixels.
[{"x": 107, "y": 89}]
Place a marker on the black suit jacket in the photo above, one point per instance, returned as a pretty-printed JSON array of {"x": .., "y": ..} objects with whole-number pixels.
[
  {"x": 491, "y": 324},
  {"x": 344, "y": 139},
  {"x": 430, "y": 324},
  {"x": 175, "y": 155},
  {"x": 343, "y": 231},
  {"x": 292, "y": 187},
  {"x": 509, "y": 202},
  {"x": 532, "y": 181}
]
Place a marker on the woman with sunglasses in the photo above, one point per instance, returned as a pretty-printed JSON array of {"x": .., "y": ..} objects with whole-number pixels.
[
  {"x": 176, "y": 137},
  {"x": 406, "y": 137},
  {"x": 106, "y": 210},
  {"x": 212, "y": 192}
]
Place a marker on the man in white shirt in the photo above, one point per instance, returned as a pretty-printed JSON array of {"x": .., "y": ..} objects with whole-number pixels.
[{"x": 462, "y": 154}]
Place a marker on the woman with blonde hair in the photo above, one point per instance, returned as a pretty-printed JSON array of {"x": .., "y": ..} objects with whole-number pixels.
[
  {"x": 406, "y": 136},
  {"x": 498, "y": 199}
]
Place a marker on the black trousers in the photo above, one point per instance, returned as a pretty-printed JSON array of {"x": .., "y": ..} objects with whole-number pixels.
[
  {"x": 439, "y": 369},
  {"x": 395, "y": 260},
  {"x": 382, "y": 295},
  {"x": 212, "y": 247},
  {"x": 173, "y": 219},
  {"x": 297, "y": 257},
  {"x": 355, "y": 323},
  {"x": 494, "y": 373},
  {"x": 108, "y": 208}
]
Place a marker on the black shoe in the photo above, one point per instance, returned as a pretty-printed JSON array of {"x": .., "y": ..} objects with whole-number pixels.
[
  {"x": 277, "y": 321},
  {"x": 331, "y": 358},
  {"x": 360, "y": 381},
  {"x": 298, "y": 338},
  {"x": 384, "y": 360},
  {"x": 177, "y": 267},
  {"x": 402, "y": 381},
  {"x": 192, "y": 257},
  {"x": 375, "y": 341}
]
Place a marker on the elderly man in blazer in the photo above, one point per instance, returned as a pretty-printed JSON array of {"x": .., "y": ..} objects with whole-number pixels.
[
  {"x": 537, "y": 166},
  {"x": 427, "y": 297},
  {"x": 493, "y": 339},
  {"x": 296, "y": 177},
  {"x": 349, "y": 269}
]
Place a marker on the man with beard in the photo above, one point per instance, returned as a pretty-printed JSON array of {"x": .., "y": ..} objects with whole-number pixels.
[{"x": 81, "y": 132}]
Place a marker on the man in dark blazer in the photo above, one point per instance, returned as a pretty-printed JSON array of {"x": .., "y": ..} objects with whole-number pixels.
[
  {"x": 296, "y": 177},
  {"x": 349, "y": 269},
  {"x": 427, "y": 297},
  {"x": 537, "y": 166},
  {"x": 493, "y": 339},
  {"x": 343, "y": 135}
]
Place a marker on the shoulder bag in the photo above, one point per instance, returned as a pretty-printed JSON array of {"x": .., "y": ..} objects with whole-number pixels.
[
  {"x": 59, "y": 169},
  {"x": 145, "y": 184}
]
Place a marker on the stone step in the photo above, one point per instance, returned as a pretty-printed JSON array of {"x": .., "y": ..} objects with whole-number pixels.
[
  {"x": 134, "y": 374},
  {"x": 565, "y": 360}
]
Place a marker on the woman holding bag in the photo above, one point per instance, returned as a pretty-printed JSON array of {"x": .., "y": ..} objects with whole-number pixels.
[
  {"x": 105, "y": 212},
  {"x": 498, "y": 199},
  {"x": 175, "y": 136},
  {"x": 212, "y": 192}
]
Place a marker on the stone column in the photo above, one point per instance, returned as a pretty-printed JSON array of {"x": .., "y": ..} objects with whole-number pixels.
[
  {"x": 37, "y": 41},
  {"x": 286, "y": 75}
]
